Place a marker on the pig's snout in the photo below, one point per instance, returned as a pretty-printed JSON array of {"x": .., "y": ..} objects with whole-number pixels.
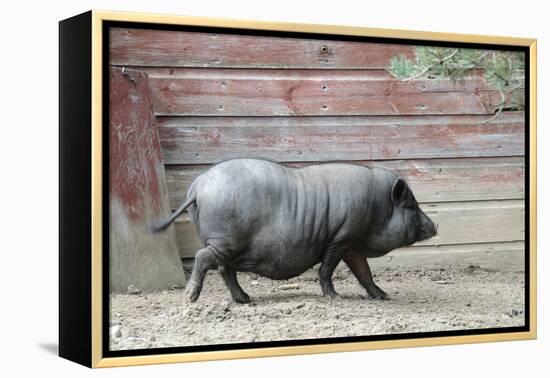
[{"x": 428, "y": 228}]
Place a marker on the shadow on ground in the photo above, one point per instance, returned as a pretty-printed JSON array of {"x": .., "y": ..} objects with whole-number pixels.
[{"x": 51, "y": 348}]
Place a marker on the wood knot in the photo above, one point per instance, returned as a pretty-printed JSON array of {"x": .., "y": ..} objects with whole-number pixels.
[{"x": 324, "y": 50}]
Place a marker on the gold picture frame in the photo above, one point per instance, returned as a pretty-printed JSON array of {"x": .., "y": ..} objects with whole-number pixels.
[{"x": 89, "y": 330}]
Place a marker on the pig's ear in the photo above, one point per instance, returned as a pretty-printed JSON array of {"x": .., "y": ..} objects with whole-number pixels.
[{"x": 400, "y": 191}]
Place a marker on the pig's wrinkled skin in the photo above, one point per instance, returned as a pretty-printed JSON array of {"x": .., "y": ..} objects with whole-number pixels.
[{"x": 257, "y": 216}]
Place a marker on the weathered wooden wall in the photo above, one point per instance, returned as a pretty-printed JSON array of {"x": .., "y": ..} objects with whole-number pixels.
[{"x": 301, "y": 101}]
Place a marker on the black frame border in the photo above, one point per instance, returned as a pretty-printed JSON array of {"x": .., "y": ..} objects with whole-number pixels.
[{"x": 75, "y": 184}]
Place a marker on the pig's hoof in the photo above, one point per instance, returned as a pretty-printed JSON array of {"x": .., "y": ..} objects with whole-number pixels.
[
  {"x": 328, "y": 290},
  {"x": 332, "y": 295},
  {"x": 192, "y": 297},
  {"x": 242, "y": 298},
  {"x": 191, "y": 293},
  {"x": 381, "y": 297},
  {"x": 378, "y": 294}
]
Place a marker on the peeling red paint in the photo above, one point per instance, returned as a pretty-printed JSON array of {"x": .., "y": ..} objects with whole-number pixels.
[{"x": 134, "y": 148}]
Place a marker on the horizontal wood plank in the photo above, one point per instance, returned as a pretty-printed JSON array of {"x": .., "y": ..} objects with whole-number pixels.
[
  {"x": 504, "y": 256},
  {"x": 476, "y": 222},
  {"x": 215, "y": 92},
  {"x": 183, "y": 104},
  {"x": 329, "y": 139},
  {"x": 459, "y": 223},
  {"x": 435, "y": 180},
  {"x": 337, "y": 121},
  {"x": 163, "y": 48},
  {"x": 306, "y": 82}
]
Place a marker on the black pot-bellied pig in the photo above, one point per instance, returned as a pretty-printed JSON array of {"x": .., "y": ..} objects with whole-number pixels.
[{"x": 258, "y": 216}]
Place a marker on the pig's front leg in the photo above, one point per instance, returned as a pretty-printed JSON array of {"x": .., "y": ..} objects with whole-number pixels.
[
  {"x": 361, "y": 270},
  {"x": 328, "y": 264}
]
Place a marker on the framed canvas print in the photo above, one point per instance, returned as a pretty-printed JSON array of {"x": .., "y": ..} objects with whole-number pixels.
[{"x": 234, "y": 189}]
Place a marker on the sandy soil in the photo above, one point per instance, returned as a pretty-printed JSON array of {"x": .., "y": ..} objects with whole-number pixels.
[{"x": 421, "y": 299}]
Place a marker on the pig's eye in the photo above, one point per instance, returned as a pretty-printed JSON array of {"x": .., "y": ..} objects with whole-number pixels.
[{"x": 411, "y": 205}]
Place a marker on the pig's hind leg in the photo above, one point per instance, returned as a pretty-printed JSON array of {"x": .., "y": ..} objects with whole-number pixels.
[
  {"x": 205, "y": 259},
  {"x": 230, "y": 278}
]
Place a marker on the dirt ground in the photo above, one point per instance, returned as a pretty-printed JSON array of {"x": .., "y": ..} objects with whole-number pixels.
[{"x": 421, "y": 299}]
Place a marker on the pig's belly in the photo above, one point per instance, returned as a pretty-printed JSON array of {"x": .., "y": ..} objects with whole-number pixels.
[{"x": 277, "y": 262}]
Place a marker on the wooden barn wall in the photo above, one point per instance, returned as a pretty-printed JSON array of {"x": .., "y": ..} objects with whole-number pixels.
[{"x": 301, "y": 101}]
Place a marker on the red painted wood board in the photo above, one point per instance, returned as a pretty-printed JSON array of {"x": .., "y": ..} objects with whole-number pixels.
[
  {"x": 137, "y": 191},
  {"x": 162, "y": 48},
  {"x": 326, "y": 139}
]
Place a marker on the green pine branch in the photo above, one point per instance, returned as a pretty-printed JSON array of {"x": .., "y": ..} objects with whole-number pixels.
[{"x": 504, "y": 71}]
